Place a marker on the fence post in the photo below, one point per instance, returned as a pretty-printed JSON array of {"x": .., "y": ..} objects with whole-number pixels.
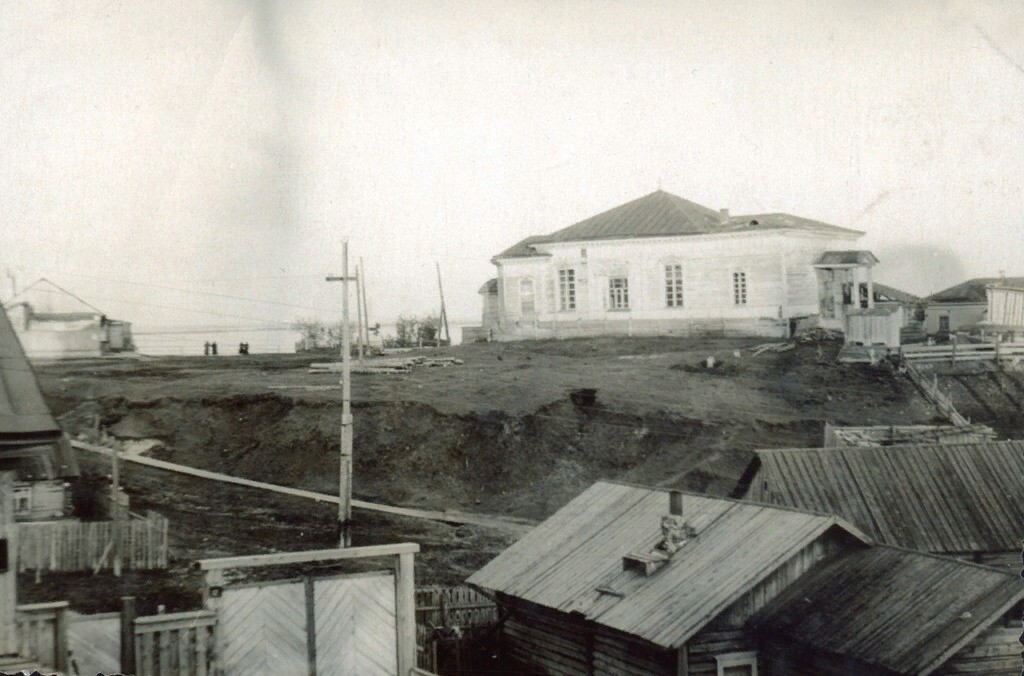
[
  {"x": 128, "y": 634},
  {"x": 60, "y": 628},
  {"x": 405, "y": 607}
]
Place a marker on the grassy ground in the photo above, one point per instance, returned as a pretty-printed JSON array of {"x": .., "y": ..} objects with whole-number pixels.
[{"x": 495, "y": 434}]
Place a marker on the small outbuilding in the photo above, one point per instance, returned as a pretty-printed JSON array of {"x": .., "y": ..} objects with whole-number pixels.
[
  {"x": 53, "y": 323},
  {"x": 633, "y": 580},
  {"x": 957, "y": 499},
  {"x": 963, "y": 305}
]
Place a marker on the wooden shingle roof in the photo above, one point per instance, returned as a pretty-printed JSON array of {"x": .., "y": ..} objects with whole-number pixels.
[
  {"x": 22, "y": 409},
  {"x": 562, "y": 563},
  {"x": 662, "y": 214},
  {"x": 891, "y": 609},
  {"x": 937, "y": 497}
]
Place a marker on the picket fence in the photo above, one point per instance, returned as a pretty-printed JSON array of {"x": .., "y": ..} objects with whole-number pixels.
[
  {"x": 450, "y": 623},
  {"x": 71, "y": 546}
]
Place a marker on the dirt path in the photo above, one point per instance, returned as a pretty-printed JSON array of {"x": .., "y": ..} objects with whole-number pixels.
[{"x": 510, "y": 525}]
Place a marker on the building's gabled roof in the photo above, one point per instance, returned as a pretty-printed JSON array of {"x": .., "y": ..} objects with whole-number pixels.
[
  {"x": 662, "y": 214},
  {"x": 891, "y": 609},
  {"x": 847, "y": 258},
  {"x": 22, "y": 409},
  {"x": 563, "y": 562},
  {"x": 47, "y": 298},
  {"x": 973, "y": 290},
  {"x": 936, "y": 497},
  {"x": 884, "y": 293}
]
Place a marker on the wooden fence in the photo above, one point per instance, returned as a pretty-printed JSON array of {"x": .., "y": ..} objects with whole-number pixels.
[
  {"x": 177, "y": 643},
  {"x": 69, "y": 546},
  {"x": 930, "y": 387},
  {"x": 94, "y": 642},
  {"x": 42, "y": 633},
  {"x": 962, "y": 352},
  {"x": 450, "y": 623}
]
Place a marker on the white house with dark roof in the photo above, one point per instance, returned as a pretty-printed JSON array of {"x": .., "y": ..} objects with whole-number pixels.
[{"x": 662, "y": 265}]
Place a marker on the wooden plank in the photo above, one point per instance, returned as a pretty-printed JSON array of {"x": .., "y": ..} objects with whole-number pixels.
[
  {"x": 405, "y": 609},
  {"x": 308, "y": 556},
  {"x": 310, "y": 625}
]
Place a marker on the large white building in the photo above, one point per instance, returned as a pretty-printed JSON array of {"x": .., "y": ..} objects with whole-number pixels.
[{"x": 663, "y": 265}]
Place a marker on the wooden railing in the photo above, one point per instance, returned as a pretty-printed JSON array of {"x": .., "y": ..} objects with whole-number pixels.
[
  {"x": 178, "y": 643},
  {"x": 962, "y": 352},
  {"x": 69, "y": 546},
  {"x": 43, "y": 633},
  {"x": 930, "y": 387}
]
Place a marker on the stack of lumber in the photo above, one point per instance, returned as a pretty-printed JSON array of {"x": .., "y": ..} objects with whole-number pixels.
[
  {"x": 772, "y": 347},
  {"x": 817, "y": 335},
  {"x": 386, "y": 365}
]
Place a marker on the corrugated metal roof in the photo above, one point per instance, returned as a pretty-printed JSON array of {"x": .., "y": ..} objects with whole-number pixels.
[
  {"x": 662, "y": 214},
  {"x": 562, "y": 562},
  {"x": 847, "y": 258},
  {"x": 973, "y": 290},
  {"x": 891, "y": 608},
  {"x": 937, "y": 497}
]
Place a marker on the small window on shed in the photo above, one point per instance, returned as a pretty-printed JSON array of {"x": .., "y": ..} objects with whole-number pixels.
[
  {"x": 22, "y": 500},
  {"x": 737, "y": 664}
]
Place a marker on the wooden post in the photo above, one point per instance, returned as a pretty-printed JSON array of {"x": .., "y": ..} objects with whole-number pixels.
[
  {"x": 366, "y": 312},
  {"x": 60, "y": 645},
  {"x": 128, "y": 634},
  {"x": 345, "y": 459},
  {"x": 115, "y": 508},
  {"x": 310, "y": 625},
  {"x": 443, "y": 319},
  {"x": 405, "y": 611},
  {"x": 359, "y": 313},
  {"x": 8, "y": 566},
  {"x": 213, "y": 584},
  {"x": 954, "y": 350}
]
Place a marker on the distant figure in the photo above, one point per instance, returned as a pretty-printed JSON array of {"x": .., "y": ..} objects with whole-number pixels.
[
  {"x": 241, "y": 348},
  {"x": 213, "y": 348},
  {"x": 247, "y": 348},
  {"x": 206, "y": 348}
]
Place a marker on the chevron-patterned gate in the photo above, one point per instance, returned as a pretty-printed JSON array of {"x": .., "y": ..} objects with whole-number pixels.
[{"x": 343, "y": 625}]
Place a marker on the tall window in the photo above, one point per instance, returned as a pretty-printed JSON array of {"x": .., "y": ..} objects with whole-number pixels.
[
  {"x": 739, "y": 288},
  {"x": 618, "y": 293},
  {"x": 566, "y": 290},
  {"x": 526, "y": 302},
  {"x": 674, "y": 285}
]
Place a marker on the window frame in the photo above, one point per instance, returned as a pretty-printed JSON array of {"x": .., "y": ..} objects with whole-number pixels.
[
  {"x": 22, "y": 494},
  {"x": 527, "y": 282},
  {"x": 747, "y": 658},
  {"x": 674, "y": 295},
  {"x": 567, "y": 289},
  {"x": 740, "y": 290},
  {"x": 618, "y": 294}
]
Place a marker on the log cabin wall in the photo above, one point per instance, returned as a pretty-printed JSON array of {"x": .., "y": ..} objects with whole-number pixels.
[
  {"x": 545, "y": 641},
  {"x": 616, "y": 654},
  {"x": 996, "y": 651}
]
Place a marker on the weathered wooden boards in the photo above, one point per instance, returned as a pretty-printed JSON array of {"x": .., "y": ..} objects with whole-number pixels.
[{"x": 386, "y": 365}]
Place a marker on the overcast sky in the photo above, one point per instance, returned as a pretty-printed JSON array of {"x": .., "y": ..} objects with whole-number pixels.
[{"x": 153, "y": 154}]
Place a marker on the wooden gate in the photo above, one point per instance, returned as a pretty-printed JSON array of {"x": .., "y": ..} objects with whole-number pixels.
[
  {"x": 355, "y": 625},
  {"x": 263, "y": 629},
  {"x": 95, "y": 643}
]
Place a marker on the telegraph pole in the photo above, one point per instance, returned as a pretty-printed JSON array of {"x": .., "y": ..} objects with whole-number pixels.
[
  {"x": 345, "y": 470},
  {"x": 366, "y": 313},
  {"x": 443, "y": 319}
]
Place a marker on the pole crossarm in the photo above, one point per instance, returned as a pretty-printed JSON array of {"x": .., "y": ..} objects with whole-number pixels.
[{"x": 339, "y": 278}]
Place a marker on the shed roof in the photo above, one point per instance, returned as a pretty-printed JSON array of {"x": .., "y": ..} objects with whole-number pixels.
[
  {"x": 937, "y": 497},
  {"x": 884, "y": 292},
  {"x": 662, "y": 214},
  {"x": 490, "y": 286},
  {"x": 46, "y": 298},
  {"x": 973, "y": 290},
  {"x": 847, "y": 258},
  {"x": 904, "y": 611},
  {"x": 562, "y": 562}
]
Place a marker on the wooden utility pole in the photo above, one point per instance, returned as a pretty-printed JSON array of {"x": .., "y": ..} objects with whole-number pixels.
[
  {"x": 359, "y": 313},
  {"x": 443, "y": 319},
  {"x": 345, "y": 469},
  {"x": 115, "y": 509},
  {"x": 366, "y": 313}
]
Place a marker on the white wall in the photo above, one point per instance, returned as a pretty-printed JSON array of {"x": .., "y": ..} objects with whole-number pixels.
[{"x": 781, "y": 282}]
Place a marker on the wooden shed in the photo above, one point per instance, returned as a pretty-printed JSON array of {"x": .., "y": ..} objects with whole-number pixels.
[
  {"x": 592, "y": 590},
  {"x": 874, "y": 326},
  {"x": 886, "y": 611},
  {"x": 958, "y": 499}
]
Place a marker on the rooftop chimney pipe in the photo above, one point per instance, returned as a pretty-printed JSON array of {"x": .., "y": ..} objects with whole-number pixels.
[{"x": 675, "y": 503}]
